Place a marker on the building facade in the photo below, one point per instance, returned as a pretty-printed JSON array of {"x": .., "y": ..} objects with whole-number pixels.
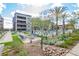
[
  {"x": 21, "y": 22},
  {"x": 1, "y": 23}
]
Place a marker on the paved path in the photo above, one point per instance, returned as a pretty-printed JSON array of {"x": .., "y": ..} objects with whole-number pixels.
[
  {"x": 1, "y": 48},
  {"x": 74, "y": 51},
  {"x": 28, "y": 39},
  {"x": 6, "y": 38}
]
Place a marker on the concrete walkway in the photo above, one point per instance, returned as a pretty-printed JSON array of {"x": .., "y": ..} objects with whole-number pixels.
[
  {"x": 74, "y": 51},
  {"x": 1, "y": 48},
  {"x": 28, "y": 39},
  {"x": 6, "y": 38}
]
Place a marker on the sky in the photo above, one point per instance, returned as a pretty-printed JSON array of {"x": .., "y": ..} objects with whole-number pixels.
[{"x": 32, "y": 7}]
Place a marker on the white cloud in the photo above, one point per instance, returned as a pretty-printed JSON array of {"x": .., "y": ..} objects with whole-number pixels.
[
  {"x": 78, "y": 4},
  {"x": 2, "y": 6},
  {"x": 30, "y": 2},
  {"x": 19, "y": 11},
  {"x": 39, "y": 2},
  {"x": 32, "y": 10},
  {"x": 36, "y": 6},
  {"x": 57, "y": 4}
]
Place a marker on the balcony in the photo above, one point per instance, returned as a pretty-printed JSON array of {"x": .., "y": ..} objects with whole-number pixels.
[
  {"x": 21, "y": 23},
  {"x": 21, "y": 17}
]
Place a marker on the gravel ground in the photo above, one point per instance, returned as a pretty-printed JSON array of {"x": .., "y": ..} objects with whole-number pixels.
[
  {"x": 54, "y": 51},
  {"x": 34, "y": 49}
]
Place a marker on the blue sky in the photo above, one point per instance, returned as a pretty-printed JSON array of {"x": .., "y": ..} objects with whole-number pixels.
[
  {"x": 7, "y": 10},
  {"x": 70, "y": 7},
  {"x": 12, "y": 7}
]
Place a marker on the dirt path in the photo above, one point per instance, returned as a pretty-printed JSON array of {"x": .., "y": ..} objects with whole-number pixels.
[{"x": 34, "y": 49}]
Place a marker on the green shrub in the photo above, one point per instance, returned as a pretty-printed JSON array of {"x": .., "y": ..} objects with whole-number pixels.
[
  {"x": 69, "y": 39},
  {"x": 27, "y": 33},
  {"x": 59, "y": 43},
  {"x": 69, "y": 42},
  {"x": 49, "y": 41},
  {"x": 75, "y": 36},
  {"x": 16, "y": 45},
  {"x": 64, "y": 45},
  {"x": 22, "y": 52},
  {"x": 18, "y": 51},
  {"x": 45, "y": 37},
  {"x": 76, "y": 31},
  {"x": 63, "y": 37},
  {"x": 17, "y": 40},
  {"x": 13, "y": 33}
]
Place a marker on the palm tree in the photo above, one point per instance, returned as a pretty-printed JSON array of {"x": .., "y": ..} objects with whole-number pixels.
[
  {"x": 73, "y": 22},
  {"x": 64, "y": 17},
  {"x": 73, "y": 19},
  {"x": 63, "y": 26},
  {"x": 57, "y": 12}
]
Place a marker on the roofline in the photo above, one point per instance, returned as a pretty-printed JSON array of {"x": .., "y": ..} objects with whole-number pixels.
[{"x": 22, "y": 14}]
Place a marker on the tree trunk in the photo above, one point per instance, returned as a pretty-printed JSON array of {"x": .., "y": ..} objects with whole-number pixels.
[
  {"x": 73, "y": 28},
  {"x": 63, "y": 26},
  {"x": 41, "y": 42},
  {"x": 56, "y": 26}
]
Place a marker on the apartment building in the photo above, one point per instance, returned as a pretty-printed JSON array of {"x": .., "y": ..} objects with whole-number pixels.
[
  {"x": 1, "y": 23},
  {"x": 21, "y": 22}
]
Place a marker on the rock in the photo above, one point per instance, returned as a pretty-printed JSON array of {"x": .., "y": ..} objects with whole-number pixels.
[{"x": 54, "y": 51}]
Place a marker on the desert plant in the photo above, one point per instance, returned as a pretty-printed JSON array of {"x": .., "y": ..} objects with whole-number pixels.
[
  {"x": 63, "y": 37},
  {"x": 49, "y": 41}
]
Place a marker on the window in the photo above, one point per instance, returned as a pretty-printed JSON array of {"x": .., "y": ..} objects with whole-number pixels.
[{"x": 21, "y": 17}]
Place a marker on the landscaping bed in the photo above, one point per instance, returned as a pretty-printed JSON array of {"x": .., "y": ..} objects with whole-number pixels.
[
  {"x": 14, "y": 48},
  {"x": 60, "y": 45},
  {"x": 65, "y": 41},
  {"x": 56, "y": 46}
]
